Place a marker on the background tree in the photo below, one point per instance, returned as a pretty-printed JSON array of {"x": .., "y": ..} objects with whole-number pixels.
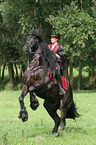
[
  {"x": 77, "y": 33},
  {"x": 17, "y": 17}
]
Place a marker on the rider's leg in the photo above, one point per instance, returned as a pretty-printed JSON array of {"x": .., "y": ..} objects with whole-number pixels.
[{"x": 58, "y": 78}]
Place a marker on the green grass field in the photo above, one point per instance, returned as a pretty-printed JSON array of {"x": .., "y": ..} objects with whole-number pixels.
[{"x": 37, "y": 130}]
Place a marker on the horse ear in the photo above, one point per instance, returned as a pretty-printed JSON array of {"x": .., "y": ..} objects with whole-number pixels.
[
  {"x": 38, "y": 30},
  {"x": 32, "y": 29}
]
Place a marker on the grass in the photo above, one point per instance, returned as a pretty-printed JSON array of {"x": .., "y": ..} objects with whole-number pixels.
[{"x": 37, "y": 130}]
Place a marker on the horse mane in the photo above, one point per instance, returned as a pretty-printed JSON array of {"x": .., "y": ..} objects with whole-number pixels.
[{"x": 48, "y": 57}]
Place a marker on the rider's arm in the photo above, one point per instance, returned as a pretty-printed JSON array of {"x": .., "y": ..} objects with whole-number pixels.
[{"x": 60, "y": 52}]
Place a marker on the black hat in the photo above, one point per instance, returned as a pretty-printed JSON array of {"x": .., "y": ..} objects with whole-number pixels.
[{"x": 55, "y": 35}]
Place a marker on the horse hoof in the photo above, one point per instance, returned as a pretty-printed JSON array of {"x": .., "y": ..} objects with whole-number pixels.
[
  {"x": 34, "y": 105},
  {"x": 62, "y": 125},
  {"x": 23, "y": 115},
  {"x": 24, "y": 119},
  {"x": 54, "y": 131}
]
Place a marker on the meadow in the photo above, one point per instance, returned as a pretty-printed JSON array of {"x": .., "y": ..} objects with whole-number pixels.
[{"x": 37, "y": 130}]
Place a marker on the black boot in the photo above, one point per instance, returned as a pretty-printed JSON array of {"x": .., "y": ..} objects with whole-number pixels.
[{"x": 61, "y": 89}]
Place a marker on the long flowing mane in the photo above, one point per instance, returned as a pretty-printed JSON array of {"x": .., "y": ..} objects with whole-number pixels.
[{"x": 48, "y": 57}]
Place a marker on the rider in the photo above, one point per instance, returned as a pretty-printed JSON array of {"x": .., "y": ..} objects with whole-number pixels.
[{"x": 59, "y": 52}]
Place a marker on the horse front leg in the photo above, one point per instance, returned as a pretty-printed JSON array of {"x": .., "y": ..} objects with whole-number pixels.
[
  {"x": 23, "y": 113},
  {"x": 33, "y": 101},
  {"x": 51, "y": 109}
]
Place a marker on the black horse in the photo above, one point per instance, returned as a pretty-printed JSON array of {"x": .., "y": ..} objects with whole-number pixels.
[{"x": 36, "y": 79}]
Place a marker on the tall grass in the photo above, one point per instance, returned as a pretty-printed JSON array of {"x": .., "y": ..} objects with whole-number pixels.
[{"x": 37, "y": 130}]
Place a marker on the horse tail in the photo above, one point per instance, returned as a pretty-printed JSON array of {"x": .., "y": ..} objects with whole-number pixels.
[{"x": 72, "y": 112}]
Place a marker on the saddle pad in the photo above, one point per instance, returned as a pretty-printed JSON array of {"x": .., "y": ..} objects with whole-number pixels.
[{"x": 64, "y": 81}]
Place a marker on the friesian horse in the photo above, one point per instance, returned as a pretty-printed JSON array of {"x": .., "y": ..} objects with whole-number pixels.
[{"x": 36, "y": 79}]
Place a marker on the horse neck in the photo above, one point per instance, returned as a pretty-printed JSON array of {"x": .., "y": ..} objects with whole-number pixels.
[
  {"x": 36, "y": 60},
  {"x": 38, "y": 51}
]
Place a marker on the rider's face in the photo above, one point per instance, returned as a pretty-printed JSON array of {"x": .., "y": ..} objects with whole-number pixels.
[{"x": 54, "y": 40}]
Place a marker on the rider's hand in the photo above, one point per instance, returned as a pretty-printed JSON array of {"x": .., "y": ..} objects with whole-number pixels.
[{"x": 58, "y": 56}]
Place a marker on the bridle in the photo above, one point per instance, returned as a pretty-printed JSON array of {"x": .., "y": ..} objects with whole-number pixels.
[{"x": 32, "y": 45}]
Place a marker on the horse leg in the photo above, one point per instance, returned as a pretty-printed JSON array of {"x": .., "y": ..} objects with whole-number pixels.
[
  {"x": 51, "y": 109},
  {"x": 33, "y": 101},
  {"x": 65, "y": 104},
  {"x": 63, "y": 115},
  {"x": 23, "y": 113}
]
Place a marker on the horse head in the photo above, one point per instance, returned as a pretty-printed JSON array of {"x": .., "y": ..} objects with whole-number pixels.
[
  {"x": 32, "y": 42},
  {"x": 33, "y": 31},
  {"x": 36, "y": 44}
]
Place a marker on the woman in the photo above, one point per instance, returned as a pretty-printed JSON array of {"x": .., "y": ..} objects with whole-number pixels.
[{"x": 59, "y": 53}]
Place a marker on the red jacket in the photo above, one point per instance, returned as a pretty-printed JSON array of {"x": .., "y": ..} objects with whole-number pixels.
[
  {"x": 58, "y": 49},
  {"x": 55, "y": 50}
]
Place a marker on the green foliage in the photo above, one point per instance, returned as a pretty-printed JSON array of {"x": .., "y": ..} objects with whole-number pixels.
[
  {"x": 18, "y": 18},
  {"x": 77, "y": 31},
  {"x": 9, "y": 33},
  {"x": 75, "y": 24}
]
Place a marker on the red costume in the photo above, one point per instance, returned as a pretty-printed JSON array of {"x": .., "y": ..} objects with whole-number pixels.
[{"x": 58, "y": 49}]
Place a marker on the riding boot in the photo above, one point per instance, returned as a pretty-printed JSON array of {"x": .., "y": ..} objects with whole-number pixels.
[{"x": 61, "y": 89}]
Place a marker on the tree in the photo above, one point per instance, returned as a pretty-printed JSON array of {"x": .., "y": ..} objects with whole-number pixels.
[
  {"x": 77, "y": 31},
  {"x": 10, "y": 28},
  {"x": 17, "y": 17}
]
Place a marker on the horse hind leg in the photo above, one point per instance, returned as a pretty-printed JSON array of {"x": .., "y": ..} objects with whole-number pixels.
[
  {"x": 64, "y": 107},
  {"x": 51, "y": 109},
  {"x": 23, "y": 113},
  {"x": 65, "y": 104},
  {"x": 63, "y": 115},
  {"x": 67, "y": 107}
]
